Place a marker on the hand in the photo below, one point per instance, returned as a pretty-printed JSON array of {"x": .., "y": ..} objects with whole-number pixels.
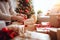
[
  {"x": 18, "y": 18},
  {"x": 13, "y": 17},
  {"x": 22, "y": 15}
]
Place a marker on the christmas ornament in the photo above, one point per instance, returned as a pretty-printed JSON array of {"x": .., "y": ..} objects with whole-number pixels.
[
  {"x": 26, "y": 11},
  {"x": 25, "y": 7},
  {"x": 21, "y": 11},
  {"x": 27, "y": 1},
  {"x": 5, "y": 29}
]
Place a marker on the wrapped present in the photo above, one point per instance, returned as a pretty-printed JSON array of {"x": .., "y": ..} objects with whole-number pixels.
[
  {"x": 38, "y": 25},
  {"x": 29, "y": 21},
  {"x": 7, "y": 34},
  {"x": 29, "y": 24},
  {"x": 46, "y": 24},
  {"x": 30, "y": 27}
]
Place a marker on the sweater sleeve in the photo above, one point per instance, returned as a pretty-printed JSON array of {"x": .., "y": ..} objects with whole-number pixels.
[
  {"x": 12, "y": 11},
  {"x": 4, "y": 16}
]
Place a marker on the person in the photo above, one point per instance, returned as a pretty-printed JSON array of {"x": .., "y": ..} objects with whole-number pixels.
[{"x": 7, "y": 13}]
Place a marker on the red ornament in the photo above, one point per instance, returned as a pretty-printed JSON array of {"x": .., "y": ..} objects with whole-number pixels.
[
  {"x": 21, "y": 11},
  {"x": 27, "y": 1},
  {"x": 26, "y": 11},
  {"x": 5, "y": 29}
]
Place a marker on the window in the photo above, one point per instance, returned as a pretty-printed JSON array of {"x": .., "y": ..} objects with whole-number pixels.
[{"x": 44, "y": 5}]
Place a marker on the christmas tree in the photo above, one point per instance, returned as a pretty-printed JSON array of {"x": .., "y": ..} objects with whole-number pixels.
[{"x": 25, "y": 7}]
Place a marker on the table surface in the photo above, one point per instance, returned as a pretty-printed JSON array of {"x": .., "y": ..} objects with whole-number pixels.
[
  {"x": 21, "y": 38},
  {"x": 35, "y": 35}
]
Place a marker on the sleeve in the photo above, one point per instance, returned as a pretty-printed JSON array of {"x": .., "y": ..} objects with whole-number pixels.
[
  {"x": 4, "y": 16},
  {"x": 12, "y": 11}
]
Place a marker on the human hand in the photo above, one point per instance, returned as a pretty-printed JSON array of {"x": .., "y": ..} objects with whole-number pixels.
[
  {"x": 23, "y": 15},
  {"x": 20, "y": 19}
]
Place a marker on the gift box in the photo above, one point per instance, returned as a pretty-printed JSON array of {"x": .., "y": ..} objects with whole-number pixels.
[
  {"x": 30, "y": 27},
  {"x": 29, "y": 24},
  {"x": 45, "y": 24}
]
